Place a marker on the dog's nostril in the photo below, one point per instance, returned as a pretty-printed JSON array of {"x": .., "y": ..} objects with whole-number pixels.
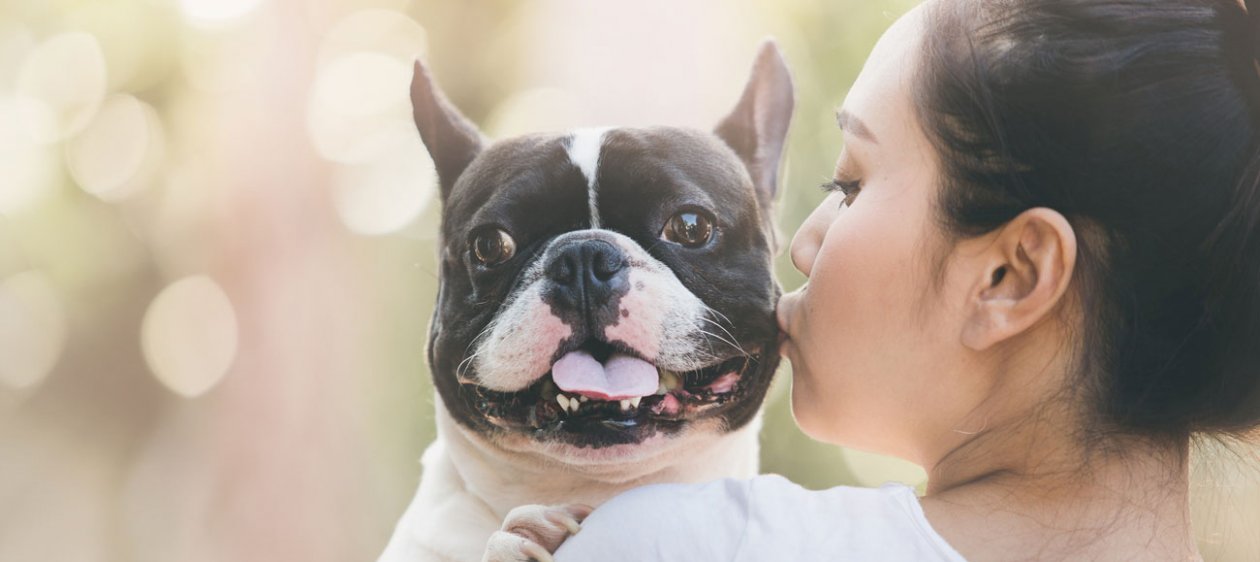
[
  {"x": 563, "y": 270},
  {"x": 590, "y": 261},
  {"x": 606, "y": 264}
]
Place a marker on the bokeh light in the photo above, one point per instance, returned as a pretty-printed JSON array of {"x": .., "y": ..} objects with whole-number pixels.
[
  {"x": 359, "y": 105},
  {"x": 15, "y": 42},
  {"x": 28, "y": 167},
  {"x": 537, "y": 109},
  {"x": 67, "y": 74},
  {"x": 358, "y": 117},
  {"x": 386, "y": 32},
  {"x": 384, "y": 194},
  {"x": 33, "y": 329},
  {"x": 119, "y": 151},
  {"x": 189, "y": 335},
  {"x": 212, "y": 12},
  {"x": 134, "y": 36}
]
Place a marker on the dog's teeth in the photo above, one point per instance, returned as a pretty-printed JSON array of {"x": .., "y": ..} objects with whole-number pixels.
[
  {"x": 634, "y": 402},
  {"x": 564, "y": 402},
  {"x": 669, "y": 380},
  {"x": 625, "y": 405},
  {"x": 660, "y": 389},
  {"x": 574, "y": 403},
  {"x": 583, "y": 398}
]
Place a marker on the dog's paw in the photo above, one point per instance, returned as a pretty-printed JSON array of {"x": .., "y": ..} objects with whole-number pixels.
[{"x": 533, "y": 532}]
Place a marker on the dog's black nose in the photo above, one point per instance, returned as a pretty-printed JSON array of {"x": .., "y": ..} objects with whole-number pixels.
[{"x": 587, "y": 274}]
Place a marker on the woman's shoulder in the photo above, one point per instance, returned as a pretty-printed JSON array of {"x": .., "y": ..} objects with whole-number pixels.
[
  {"x": 766, "y": 517},
  {"x": 765, "y": 490},
  {"x": 691, "y": 522},
  {"x": 840, "y": 523}
]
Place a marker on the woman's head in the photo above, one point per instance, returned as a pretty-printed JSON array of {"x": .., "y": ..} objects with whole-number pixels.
[{"x": 1085, "y": 173}]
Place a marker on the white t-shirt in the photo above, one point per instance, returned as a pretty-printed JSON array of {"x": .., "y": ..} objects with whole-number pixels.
[{"x": 765, "y": 518}]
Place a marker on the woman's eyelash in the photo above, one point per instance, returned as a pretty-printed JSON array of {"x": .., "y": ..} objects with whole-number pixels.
[{"x": 846, "y": 187}]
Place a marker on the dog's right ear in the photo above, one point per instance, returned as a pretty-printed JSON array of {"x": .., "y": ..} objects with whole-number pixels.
[{"x": 452, "y": 140}]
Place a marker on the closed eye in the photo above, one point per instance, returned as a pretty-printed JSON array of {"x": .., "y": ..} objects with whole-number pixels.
[{"x": 850, "y": 189}]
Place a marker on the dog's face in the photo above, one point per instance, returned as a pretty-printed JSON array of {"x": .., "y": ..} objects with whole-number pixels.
[{"x": 603, "y": 287}]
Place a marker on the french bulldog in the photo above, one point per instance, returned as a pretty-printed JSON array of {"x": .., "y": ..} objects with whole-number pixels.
[{"x": 605, "y": 311}]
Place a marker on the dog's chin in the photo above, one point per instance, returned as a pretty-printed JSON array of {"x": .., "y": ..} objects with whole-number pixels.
[
  {"x": 554, "y": 420},
  {"x": 615, "y": 459}
]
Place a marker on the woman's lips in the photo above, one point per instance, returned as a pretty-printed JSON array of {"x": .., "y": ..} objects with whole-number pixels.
[
  {"x": 786, "y": 308},
  {"x": 785, "y": 347}
]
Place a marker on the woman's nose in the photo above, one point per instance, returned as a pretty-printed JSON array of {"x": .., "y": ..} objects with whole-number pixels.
[{"x": 805, "y": 244}]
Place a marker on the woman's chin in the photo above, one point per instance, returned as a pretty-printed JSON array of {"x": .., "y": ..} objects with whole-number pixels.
[{"x": 805, "y": 410}]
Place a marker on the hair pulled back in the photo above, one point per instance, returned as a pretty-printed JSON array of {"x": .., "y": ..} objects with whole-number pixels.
[{"x": 1138, "y": 121}]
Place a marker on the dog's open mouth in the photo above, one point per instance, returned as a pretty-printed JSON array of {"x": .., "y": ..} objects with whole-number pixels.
[{"x": 622, "y": 411}]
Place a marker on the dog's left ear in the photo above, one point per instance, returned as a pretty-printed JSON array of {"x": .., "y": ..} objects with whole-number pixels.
[{"x": 757, "y": 128}]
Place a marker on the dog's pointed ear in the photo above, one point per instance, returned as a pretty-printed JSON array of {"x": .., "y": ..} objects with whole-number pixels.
[
  {"x": 452, "y": 140},
  {"x": 757, "y": 128}
]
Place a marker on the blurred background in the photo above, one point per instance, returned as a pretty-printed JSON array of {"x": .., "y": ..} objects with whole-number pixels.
[{"x": 217, "y": 243}]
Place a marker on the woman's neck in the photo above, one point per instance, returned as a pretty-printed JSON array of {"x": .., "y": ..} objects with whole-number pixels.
[
  {"x": 1034, "y": 489},
  {"x": 1016, "y": 477}
]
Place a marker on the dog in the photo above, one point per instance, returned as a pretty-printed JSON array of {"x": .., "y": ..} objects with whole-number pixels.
[{"x": 605, "y": 311}]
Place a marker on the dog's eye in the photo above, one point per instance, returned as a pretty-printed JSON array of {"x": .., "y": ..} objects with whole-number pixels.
[
  {"x": 689, "y": 228},
  {"x": 493, "y": 247}
]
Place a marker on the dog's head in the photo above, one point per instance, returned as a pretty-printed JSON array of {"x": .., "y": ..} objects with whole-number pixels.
[{"x": 606, "y": 286}]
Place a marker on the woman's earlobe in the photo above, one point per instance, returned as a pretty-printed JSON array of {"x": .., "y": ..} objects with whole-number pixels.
[
  {"x": 983, "y": 327},
  {"x": 991, "y": 301}
]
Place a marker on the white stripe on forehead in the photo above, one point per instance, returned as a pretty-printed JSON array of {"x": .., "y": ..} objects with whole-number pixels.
[{"x": 584, "y": 149}]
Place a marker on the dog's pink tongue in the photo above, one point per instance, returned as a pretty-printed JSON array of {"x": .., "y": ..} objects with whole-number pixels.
[{"x": 620, "y": 378}]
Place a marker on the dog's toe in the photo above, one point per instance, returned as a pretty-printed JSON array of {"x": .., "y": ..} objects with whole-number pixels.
[{"x": 533, "y": 532}]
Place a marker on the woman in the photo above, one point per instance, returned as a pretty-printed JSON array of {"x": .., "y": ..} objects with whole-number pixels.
[{"x": 1037, "y": 275}]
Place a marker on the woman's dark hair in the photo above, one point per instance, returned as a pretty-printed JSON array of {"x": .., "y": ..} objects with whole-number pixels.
[{"x": 1138, "y": 121}]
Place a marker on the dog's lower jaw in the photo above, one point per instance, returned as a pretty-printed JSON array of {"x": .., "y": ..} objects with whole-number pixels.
[{"x": 468, "y": 485}]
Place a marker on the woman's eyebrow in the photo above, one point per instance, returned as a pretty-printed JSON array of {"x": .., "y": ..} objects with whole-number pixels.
[{"x": 849, "y": 123}]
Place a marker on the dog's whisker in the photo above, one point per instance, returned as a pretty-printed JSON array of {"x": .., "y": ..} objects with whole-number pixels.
[
  {"x": 719, "y": 314},
  {"x": 427, "y": 271},
  {"x": 722, "y": 316},
  {"x": 477, "y": 339},
  {"x": 719, "y": 325},
  {"x": 723, "y": 340},
  {"x": 459, "y": 369},
  {"x": 708, "y": 341},
  {"x": 728, "y": 333},
  {"x": 467, "y": 362}
]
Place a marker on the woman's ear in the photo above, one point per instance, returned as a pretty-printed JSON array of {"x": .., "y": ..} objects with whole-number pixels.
[{"x": 1025, "y": 273}]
